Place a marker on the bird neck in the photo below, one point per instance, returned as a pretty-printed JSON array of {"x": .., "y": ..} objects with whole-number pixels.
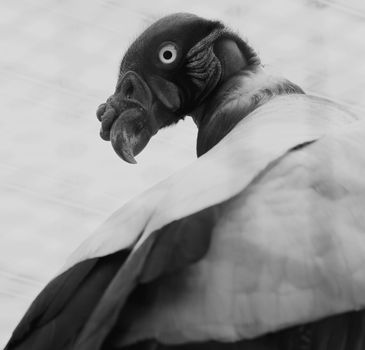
[{"x": 233, "y": 100}]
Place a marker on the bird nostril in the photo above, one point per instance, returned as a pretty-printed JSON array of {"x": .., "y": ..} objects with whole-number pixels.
[
  {"x": 138, "y": 126},
  {"x": 128, "y": 90}
]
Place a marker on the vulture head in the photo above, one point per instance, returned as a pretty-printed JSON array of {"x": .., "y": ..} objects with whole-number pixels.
[{"x": 170, "y": 70}]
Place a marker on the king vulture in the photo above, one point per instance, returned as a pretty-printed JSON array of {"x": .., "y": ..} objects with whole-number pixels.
[{"x": 258, "y": 244}]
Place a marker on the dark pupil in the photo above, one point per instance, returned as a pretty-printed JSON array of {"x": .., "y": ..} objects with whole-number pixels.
[{"x": 167, "y": 55}]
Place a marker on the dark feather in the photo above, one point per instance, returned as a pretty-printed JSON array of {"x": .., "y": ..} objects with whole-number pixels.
[
  {"x": 342, "y": 332},
  {"x": 61, "y": 309},
  {"x": 93, "y": 292},
  {"x": 168, "y": 249}
]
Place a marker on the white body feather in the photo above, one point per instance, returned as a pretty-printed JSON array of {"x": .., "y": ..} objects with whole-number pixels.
[{"x": 290, "y": 246}]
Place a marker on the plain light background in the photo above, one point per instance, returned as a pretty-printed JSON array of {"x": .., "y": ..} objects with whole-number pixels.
[{"x": 59, "y": 60}]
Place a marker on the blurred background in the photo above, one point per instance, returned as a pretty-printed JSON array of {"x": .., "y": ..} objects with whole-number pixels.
[{"x": 59, "y": 60}]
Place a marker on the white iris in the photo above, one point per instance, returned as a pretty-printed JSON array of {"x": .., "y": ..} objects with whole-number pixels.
[{"x": 167, "y": 53}]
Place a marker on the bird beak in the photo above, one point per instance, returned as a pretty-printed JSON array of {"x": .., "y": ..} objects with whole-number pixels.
[
  {"x": 130, "y": 133},
  {"x": 136, "y": 112},
  {"x": 126, "y": 117}
]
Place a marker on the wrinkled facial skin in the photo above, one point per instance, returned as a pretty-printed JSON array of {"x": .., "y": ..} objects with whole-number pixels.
[{"x": 164, "y": 75}]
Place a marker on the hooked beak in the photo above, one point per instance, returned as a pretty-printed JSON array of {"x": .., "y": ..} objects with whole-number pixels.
[
  {"x": 130, "y": 133},
  {"x": 129, "y": 117}
]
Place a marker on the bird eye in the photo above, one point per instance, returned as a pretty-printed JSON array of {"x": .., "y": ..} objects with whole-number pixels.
[{"x": 167, "y": 53}]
